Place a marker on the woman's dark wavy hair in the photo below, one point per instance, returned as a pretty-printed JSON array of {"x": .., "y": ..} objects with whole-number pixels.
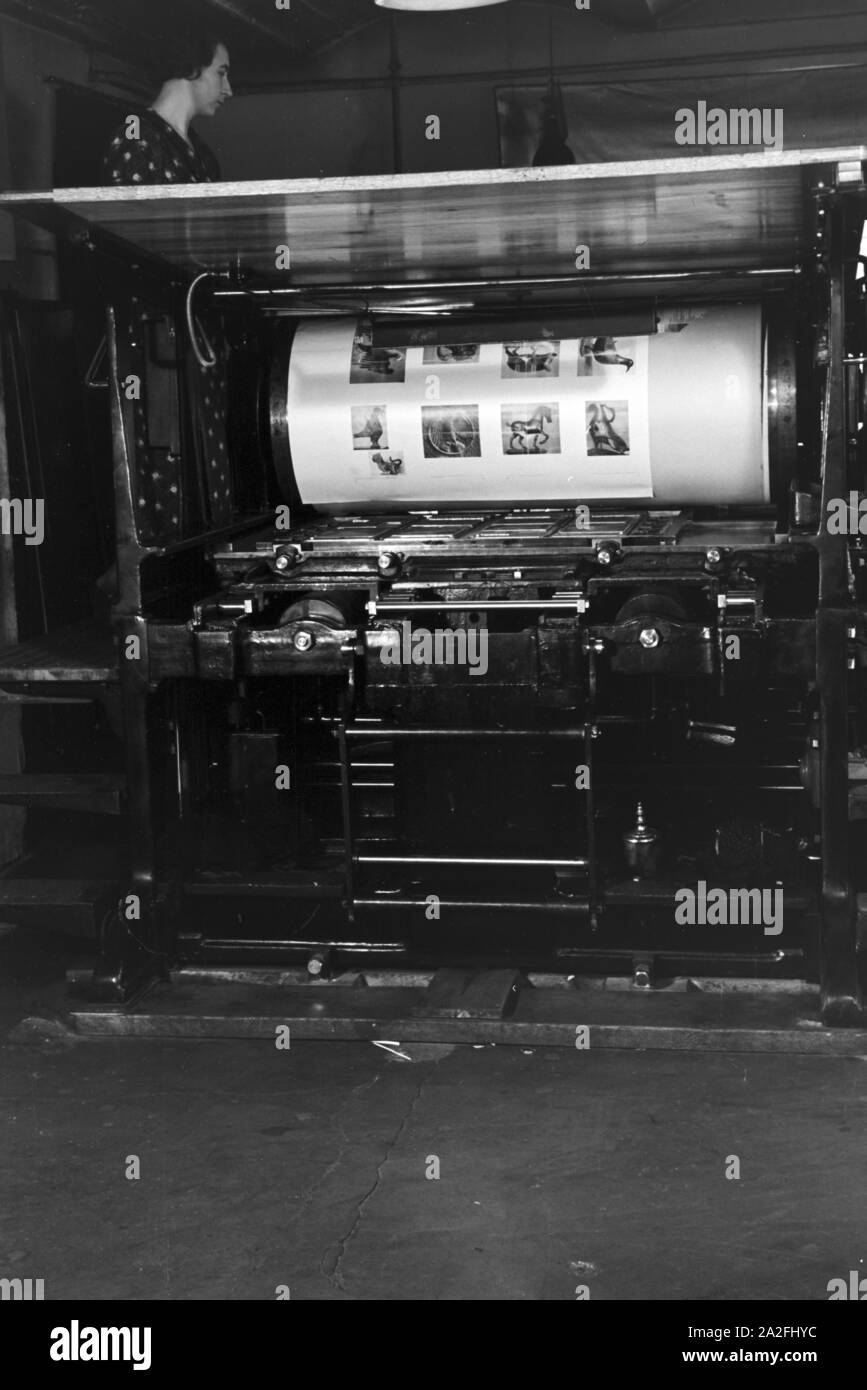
[{"x": 188, "y": 55}]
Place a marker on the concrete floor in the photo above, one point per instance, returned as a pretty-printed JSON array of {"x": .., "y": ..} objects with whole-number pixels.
[{"x": 307, "y": 1168}]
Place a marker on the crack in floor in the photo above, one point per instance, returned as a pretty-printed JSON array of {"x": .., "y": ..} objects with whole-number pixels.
[
  {"x": 337, "y": 1123},
  {"x": 333, "y": 1274}
]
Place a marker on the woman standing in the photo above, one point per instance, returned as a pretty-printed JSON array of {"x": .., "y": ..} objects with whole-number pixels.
[{"x": 157, "y": 145}]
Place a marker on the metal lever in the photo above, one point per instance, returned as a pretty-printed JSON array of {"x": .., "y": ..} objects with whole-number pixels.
[
  {"x": 484, "y": 605},
  {"x": 98, "y": 360}
]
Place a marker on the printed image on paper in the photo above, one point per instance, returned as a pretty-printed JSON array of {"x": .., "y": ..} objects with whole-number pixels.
[
  {"x": 530, "y": 359},
  {"x": 451, "y": 431},
  {"x": 386, "y": 464},
  {"x": 369, "y": 429},
  {"x": 373, "y": 364},
  {"x": 601, "y": 358},
  {"x": 449, "y": 353},
  {"x": 531, "y": 429},
  {"x": 607, "y": 428},
  {"x": 533, "y": 422}
]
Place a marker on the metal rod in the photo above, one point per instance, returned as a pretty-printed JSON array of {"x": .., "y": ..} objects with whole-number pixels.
[
  {"x": 703, "y": 958},
  {"x": 241, "y": 945},
  {"x": 756, "y": 786},
  {"x": 500, "y": 605},
  {"x": 175, "y": 728},
  {"x": 346, "y": 806},
  {"x": 235, "y": 528},
  {"x": 575, "y": 906},
  {"x": 8, "y": 698},
  {"x": 407, "y": 732},
  {"x": 446, "y": 859},
  {"x": 590, "y": 793},
  {"x": 514, "y": 282}
]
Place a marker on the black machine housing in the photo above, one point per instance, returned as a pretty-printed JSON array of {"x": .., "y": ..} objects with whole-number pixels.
[{"x": 673, "y": 695}]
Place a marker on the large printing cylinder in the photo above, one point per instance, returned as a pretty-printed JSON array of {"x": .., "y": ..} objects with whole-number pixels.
[{"x": 675, "y": 418}]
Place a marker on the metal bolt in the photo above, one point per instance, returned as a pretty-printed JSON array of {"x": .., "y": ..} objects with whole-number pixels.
[
  {"x": 713, "y": 555},
  {"x": 649, "y": 637},
  {"x": 605, "y": 555},
  {"x": 303, "y": 641},
  {"x": 387, "y": 561},
  {"x": 282, "y": 562}
]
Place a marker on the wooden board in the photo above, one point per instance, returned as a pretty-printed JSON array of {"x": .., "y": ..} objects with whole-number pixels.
[
  {"x": 692, "y": 1022},
  {"x": 654, "y": 216},
  {"x": 68, "y": 904},
  {"x": 84, "y": 652}
]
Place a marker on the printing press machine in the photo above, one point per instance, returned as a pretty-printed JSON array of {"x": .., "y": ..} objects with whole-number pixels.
[{"x": 299, "y": 808}]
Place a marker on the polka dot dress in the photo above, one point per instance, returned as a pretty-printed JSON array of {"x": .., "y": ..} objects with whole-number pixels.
[
  {"x": 163, "y": 511},
  {"x": 158, "y": 155},
  {"x": 210, "y": 405}
]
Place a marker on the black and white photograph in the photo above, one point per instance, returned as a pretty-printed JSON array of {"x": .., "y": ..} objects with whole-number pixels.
[
  {"x": 433, "y": 676},
  {"x": 530, "y": 359},
  {"x": 603, "y": 358},
  {"x": 607, "y": 427},
  {"x": 447, "y": 354},
  {"x": 450, "y": 431},
  {"x": 369, "y": 426},
  {"x": 372, "y": 364},
  {"x": 388, "y": 464},
  {"x": 531, "y": 428}
]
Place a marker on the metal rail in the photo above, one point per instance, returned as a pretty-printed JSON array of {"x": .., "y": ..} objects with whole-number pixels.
[
  {"x": 575, "y": 906},
  {"x": 464, "y": 861},
  {"x": 580, "y": 731},
  {"x": 500, "y": 605}
]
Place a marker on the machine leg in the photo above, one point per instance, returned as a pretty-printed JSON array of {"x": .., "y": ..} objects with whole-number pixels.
[
  {"x": 840, "y": 995},
  {"x": 132, "y": 951}
]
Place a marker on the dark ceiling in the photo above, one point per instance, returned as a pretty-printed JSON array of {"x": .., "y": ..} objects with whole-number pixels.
[{"x": 264, "y": 41}]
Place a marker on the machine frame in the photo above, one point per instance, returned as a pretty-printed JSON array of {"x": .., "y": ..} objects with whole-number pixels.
[{"x": 193, "y": 609}]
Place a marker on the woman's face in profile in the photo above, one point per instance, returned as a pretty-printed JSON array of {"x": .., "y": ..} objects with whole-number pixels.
[{"x": 211, "y": 88}]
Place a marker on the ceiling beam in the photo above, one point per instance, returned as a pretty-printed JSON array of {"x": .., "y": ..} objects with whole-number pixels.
[
  {"x": 327, "y": 19},
  {"x": 242, "y": 16},
  {"x": 636, "y": 14},
  {"x": 106, "y": 37},
  {"x": 829, "y": 57}
]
